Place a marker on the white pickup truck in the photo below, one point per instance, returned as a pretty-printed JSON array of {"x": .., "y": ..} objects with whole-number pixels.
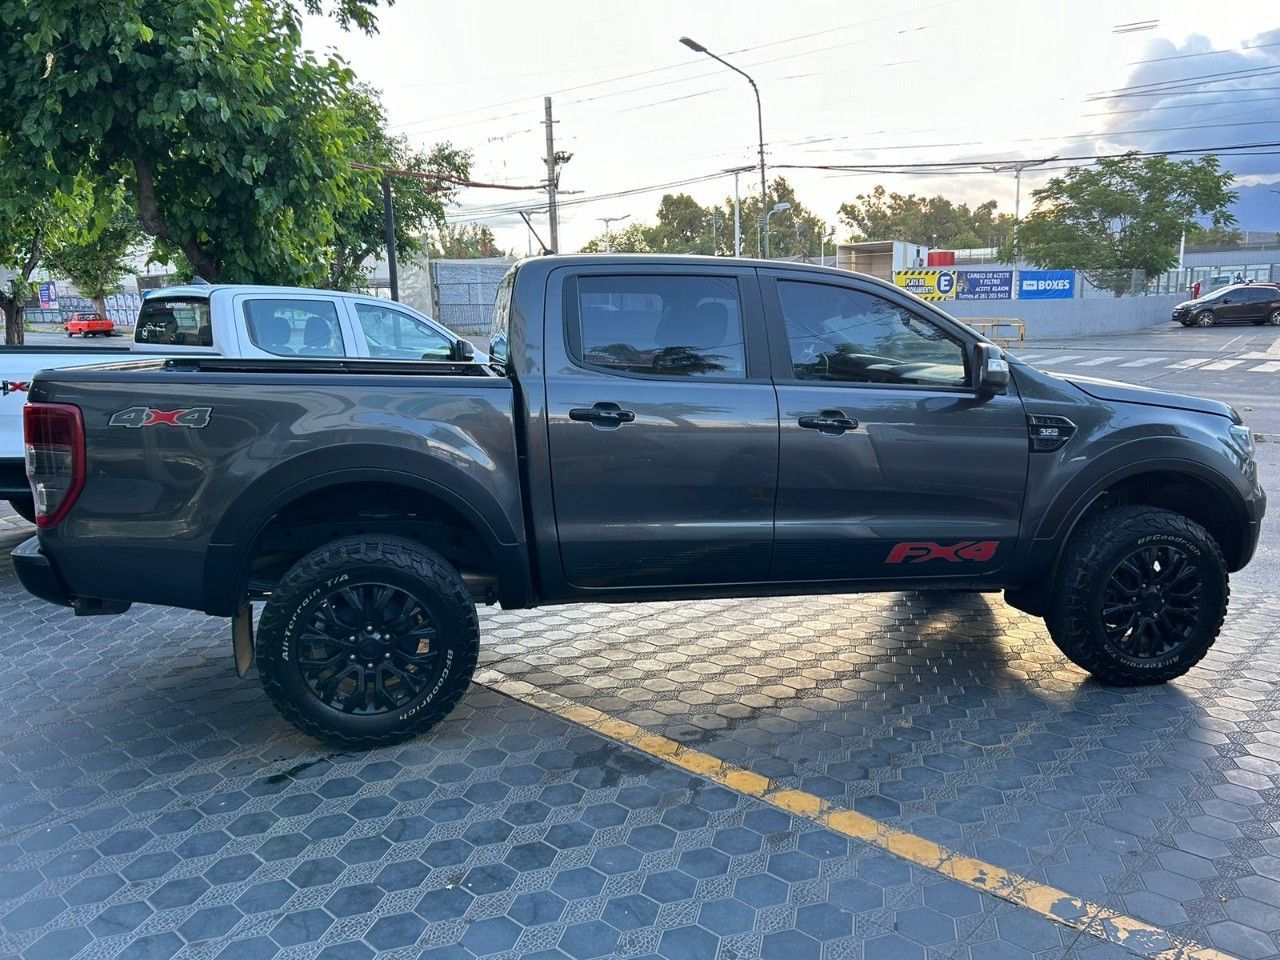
[{"x": 228, "y": 321}]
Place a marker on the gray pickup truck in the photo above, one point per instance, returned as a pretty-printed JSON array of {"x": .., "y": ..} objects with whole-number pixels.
[{"x": 645, "y": 428}]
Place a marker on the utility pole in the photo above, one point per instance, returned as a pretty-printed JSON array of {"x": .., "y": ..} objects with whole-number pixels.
[
  {"x": 737, "y": 209},
  {"x": 551, "y": 178},
  {"x": 389, "y": 220}
]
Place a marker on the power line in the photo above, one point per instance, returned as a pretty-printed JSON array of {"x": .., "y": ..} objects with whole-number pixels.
[
  {"x": 1204, "y": 53},
  {"x": 684, "y": 65}
]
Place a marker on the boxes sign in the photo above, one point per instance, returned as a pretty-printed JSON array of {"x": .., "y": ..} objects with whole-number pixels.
[{"x": 1046, "y": 284}]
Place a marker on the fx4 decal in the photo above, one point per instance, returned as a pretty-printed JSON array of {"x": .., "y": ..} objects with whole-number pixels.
[
  {"x": 978, "y": 551},
  {"x": 194, "y": 417},
  {"x": 14, "y": 386}
]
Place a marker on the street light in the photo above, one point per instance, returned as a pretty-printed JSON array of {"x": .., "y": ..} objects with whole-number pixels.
[
  {"x": 696, "y": 47},
  {"x": 608, "y": 241},
  {"x": 777, "y": 208},
  {"x": 1017, "y": 168}
]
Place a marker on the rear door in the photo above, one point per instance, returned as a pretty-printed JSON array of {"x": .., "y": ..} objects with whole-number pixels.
[
  {"x": 1257, "y": 303},
  {"x": 662, "y": 425},
  {"x": 891, "y": 465}
]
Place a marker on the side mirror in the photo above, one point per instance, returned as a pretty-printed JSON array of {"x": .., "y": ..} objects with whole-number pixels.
[
  {"x": 991, "y": 370},
  {"x": 463, "y": 351}
]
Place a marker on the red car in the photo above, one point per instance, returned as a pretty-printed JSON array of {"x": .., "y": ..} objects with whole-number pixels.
[{"x": 89, "y": 324}]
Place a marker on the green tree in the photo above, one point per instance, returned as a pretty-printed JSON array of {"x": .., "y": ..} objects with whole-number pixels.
[
  {"x": 93, "y": 250},
  {"x": 796, "y": 232},
  {"x": 1123, "y": 215},
  {"x": 231, "y": 138},
  {"x": 464, "y": 242},
  {"x": 24, "y": 222},
  {"x": 684, "y": 226},
  {"x": 935, "y": 221},
  {"x": 359, "y": 224},
  {"x": 634, "y": 239},
  {"x": 1199, "y": 235}
]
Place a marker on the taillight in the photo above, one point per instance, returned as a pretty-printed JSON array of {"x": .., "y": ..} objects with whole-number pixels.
[{"x": 54, "y": 435}]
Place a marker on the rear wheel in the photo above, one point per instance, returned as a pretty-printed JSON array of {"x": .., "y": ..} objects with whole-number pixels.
[
  {"x": 367, "y": 641},
  {"x": 1205, "y": 318},
  {"x": 1140, "y": 596},
  {"x": 1273, "y": 319}
]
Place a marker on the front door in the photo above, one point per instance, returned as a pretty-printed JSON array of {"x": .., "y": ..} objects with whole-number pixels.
[
  {"x": 891, "y": 465},
  {"x": 663, "y": 426}
]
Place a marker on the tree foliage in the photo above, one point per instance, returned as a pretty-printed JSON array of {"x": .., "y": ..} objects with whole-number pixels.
[
  {"x": 685, "y": 226},
  {"x": 93, "y": 249},
  {"x": 934, "y": 221},
  {"x": 24, "y": 218},
  {"x": 359, "y": 225},
  {"x": 1123, "y": 215},
  {"x": 464, "y": 242},
  {"x": 233, "y": 141}
]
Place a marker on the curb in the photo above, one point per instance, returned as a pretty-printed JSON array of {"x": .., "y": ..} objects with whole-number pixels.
[{"x": 1267, "y": 437}]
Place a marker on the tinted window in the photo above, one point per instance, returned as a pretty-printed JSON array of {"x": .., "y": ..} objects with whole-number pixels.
[
  {"x": 668, "y": 326},
  {"x": 295, "y": 328},
  {"x": 849, "y": 336},
  {"x": 393, "y": 333},
  {"x": 498, "y": 347},
  {"x": 172, "y": 322},
  {"x": 1261, "y": 295}
]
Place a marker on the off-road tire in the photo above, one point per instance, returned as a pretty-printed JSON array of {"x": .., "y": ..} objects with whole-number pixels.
[
  {"x": 1074, "y": 609},
  {"x": 409, "y": 566},
  {"x": 25, "y": 508},
  {"x": 1205, "y": 318}
]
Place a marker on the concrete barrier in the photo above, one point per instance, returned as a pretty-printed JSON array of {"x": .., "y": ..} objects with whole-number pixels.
[{"x": 1069, "y": 318}]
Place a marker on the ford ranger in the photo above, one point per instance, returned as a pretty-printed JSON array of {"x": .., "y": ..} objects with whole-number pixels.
[{"x": 646, "y": 428}]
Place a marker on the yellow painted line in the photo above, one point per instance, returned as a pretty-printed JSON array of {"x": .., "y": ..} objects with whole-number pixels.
[{"x": 1138, "y": 936}]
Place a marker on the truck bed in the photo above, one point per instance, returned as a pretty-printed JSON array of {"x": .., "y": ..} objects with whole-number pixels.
[{"x": 187, "y": 457}]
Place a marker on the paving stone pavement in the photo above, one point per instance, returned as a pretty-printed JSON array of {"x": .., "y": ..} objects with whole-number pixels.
[{"x": 152, "y": 805}]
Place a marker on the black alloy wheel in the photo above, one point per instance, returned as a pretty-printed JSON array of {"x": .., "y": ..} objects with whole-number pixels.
[
  {"x": 367, "y": 649},
  {"x": 1151, "y": 602},
  {"x": 1139, "y": 595},
  {"x": 367, "y": 641}
]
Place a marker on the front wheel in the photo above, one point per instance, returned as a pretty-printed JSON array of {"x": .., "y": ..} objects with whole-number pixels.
[
  {"x": 1140, "y": 596},
  {"x": 1205, "y": 318},
  {"x": 368, "y": 641}
]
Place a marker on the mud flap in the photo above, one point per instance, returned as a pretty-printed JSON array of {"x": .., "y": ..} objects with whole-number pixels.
[{"x": 242, "y": 638}]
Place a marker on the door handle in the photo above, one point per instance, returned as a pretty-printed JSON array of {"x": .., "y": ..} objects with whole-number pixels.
[
  {"x": 604, "y": 414},
  {"x": 830, "y": 422}
]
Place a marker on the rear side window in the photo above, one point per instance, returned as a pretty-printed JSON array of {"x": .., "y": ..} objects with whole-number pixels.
[
  {"x": 667, "y": 326},
  {"x": 498, "y": 345},
  {"x": 294, "y": 328},
  {"x": 174, "y": 322}
]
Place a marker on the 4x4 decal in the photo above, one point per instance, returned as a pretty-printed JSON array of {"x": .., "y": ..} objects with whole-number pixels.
[
  {"x": 133, "y": 417},
  {"x": 14, "y": 386},
  {"x": 977, "y": 551}
]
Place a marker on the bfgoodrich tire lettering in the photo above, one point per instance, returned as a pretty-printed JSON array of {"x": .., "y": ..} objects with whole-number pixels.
[
  {"x": 1140, "y": 596},
  {"x": 367, "y": 641}
]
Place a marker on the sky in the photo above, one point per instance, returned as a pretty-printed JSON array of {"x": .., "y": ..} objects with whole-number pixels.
[{"x": 863, "y": 83}]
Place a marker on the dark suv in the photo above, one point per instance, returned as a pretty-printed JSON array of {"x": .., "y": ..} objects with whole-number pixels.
[{"x": 1258, "y": 303}]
